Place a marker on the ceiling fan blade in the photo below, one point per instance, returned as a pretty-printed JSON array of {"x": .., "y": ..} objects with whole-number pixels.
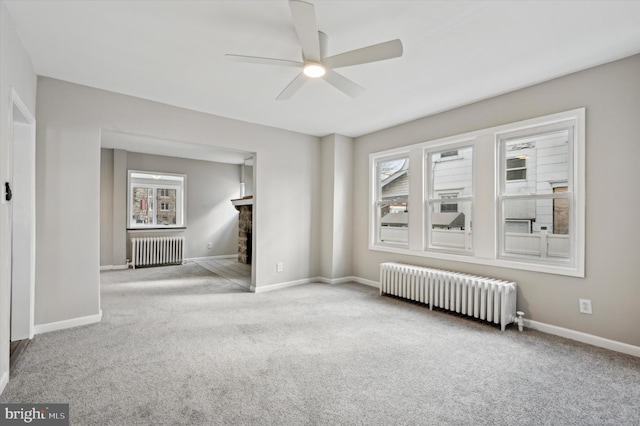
[
  {"x": 376, "y": 52},
  {"x": 304, "y": 20},
  {"x": 264, "y": 61},
  {"x": 324, "y": 43},
  {"x": 292, "y": 87},
  {"x": 343, "y": 84}
]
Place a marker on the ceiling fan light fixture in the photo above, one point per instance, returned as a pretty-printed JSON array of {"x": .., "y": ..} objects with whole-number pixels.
[{"x": 313, "y": 70}]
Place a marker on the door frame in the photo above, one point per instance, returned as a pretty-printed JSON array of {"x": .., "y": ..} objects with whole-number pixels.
[{"x": 22, "y": 217}]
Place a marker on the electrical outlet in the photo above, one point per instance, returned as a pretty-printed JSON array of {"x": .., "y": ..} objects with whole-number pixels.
[
  {"x": 210, "y": 245},
  {"x": 279, "y": 267},
  {"x": 585, "y": 306}
]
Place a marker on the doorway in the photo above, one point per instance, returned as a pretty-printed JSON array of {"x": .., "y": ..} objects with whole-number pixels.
[
  {"x": 22, "y": 217},
  {"x": 212, "y": 219}
]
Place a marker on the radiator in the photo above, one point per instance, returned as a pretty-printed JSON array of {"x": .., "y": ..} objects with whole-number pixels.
[
  {"x": 479, "y": 297},
  {"x": 153, "y": 251}
]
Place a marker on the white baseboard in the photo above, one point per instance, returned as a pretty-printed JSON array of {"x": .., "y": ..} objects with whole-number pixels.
[
  {"x": 70, "y": 323},
  {"x": 113, "y": 267},
  {"x": 278, "y": 286},
  {"x": 4, "y": 380},
  {"x": 584, "y": 337},
  {"x": 365, "y": 281},
  {"x": 200, "y": 259},
  {"x": 343, "y": 280},
  {"x": 323, "y": 280},
  {"x": 332, "y": 281}
]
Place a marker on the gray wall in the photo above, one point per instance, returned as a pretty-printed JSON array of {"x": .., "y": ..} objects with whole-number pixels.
[
  {"x": 70, "y": 120},
  {"x": 210, "y": 216},
  {"x": 106, "y": 207},
  {"x": 611, "y": 95},
  {"x": 336, "y": 205},
  {"x": 16, "y": 71},
  {"x": 248, "y": 179}
]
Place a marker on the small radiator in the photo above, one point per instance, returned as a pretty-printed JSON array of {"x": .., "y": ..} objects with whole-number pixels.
[
  {"x": 152, "y": 251},
  {"x": 480, "y": 297}
]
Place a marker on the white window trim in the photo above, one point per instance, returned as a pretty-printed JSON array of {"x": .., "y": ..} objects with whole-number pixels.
[
  {"x": 375, "y": 200},
  {"x": 432, "y": 195},
  {"x": 485, "y": 202},
  {"x": 181, "y": 200},
  {"x": 502, "y": 196}
]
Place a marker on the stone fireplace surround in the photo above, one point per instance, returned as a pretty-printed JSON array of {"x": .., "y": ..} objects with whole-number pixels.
[{"x": 245, "y": 207}]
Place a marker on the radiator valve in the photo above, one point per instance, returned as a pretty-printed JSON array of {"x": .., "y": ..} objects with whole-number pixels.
[{"x": 520, "y": 320}]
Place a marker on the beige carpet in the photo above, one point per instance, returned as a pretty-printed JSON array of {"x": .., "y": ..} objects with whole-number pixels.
[{"x": 182, "y": 345}]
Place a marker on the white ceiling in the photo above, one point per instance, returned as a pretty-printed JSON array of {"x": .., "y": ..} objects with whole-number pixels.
[
  {"x": 171, "y": 148},
  {"x": 455, "y": 53}
]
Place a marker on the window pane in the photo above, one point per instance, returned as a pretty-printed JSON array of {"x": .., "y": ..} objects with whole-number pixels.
[
  {"x": 516, "y": 174},
  {"x": 451, "y": 229},
  {"x": 388, "y": 168},
  {"x": 393, "y": 194},
  {"x": 560, "y": 213},
  {"x": 394, "y": 178},
  {"x": 516, "y": 163},
  {"x": 142, "y": 205},
  {"x": 166, "y": 214},
  {"x": 453, "y": 176},
  {"x": 536, "y": 228},
  {"x": 536, "y": 164},
  {"x": 394, "y": 222},
  {"x": 155, "y": 199},
  {"x": 450, "y": 218}
]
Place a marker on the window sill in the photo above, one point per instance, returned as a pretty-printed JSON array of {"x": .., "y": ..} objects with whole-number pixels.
[
  {"x": 156, "y": 229},
  {"x": 522, "y": 265}
]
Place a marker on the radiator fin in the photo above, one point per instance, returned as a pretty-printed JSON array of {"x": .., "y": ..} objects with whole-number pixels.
[
  {"x": 487, "y": 299},
  {"x": 155, "y": 251}
]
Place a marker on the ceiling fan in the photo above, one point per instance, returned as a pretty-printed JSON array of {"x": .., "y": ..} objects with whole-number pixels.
[{"x": 314, "y": 63}]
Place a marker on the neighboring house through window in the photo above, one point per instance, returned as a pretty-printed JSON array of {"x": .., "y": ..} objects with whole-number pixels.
[
  {"x": 156, "y": 200},
  {"x": 450, "y": 190},
  {"x": 543, "y": 195},
  {"x": 392, "y": 192}
]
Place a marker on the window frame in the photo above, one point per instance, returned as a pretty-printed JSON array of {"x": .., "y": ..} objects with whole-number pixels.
[
  {"x": 377, "y": 199},
  {"x": 503, "y": 196},
  {"x": 433, "y": 196},
  {"x": 157, "y": 181},
  {"x": 486, "y": 188}
]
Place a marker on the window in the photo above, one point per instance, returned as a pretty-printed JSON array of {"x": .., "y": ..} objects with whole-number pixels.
[
  {"x": 543, "y": 197},
  {"x": 510, "y": 196},
  {"x": 156, "y": 200},
  {"x": 392, "y": 196},
  {"x": 448, "y": 154},
  {"x": 517, "y": 168},
  {"x": 448, "y": 207},
  {"x": 450, "y": 188}
]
